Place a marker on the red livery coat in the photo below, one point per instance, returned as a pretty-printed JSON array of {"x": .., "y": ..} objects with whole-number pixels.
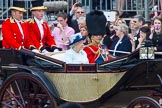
[
  {"x": 12, "y": 37},
  {"x": 35, "y": 34},
  {"x": 95, "y": 53}
]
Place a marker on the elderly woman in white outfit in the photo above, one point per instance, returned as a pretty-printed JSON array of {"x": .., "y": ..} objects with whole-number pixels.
[{"x": 76, "y": 54}]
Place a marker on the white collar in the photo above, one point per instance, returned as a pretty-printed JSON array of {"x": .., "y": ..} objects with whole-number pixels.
[
  {"x": 17, "y": 21},
  {"x": 38, "y": 21}
]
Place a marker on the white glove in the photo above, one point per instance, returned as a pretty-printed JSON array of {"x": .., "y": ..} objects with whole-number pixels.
[
  {"x": 45, "y": 51},
  {"x": 56, "y": 50},
  {"x": 35, "y": 50}
]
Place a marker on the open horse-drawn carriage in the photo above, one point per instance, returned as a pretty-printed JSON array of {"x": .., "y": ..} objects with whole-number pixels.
[{"x": 32, "y": 80}]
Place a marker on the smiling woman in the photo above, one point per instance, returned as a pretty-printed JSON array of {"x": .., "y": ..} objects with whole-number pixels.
[
  {"x": 76, "y": 54},
  {"x": 121, "y": 42}
]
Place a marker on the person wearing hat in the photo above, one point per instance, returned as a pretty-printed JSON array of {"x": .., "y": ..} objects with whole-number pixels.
[
  {"x": 121, "y": 44},
  {"x": 39, "y": 29},
  {"x": 14, "y": 29},
  {"x": 96, "y": 25},
  {"x": 76, "y": 54}
]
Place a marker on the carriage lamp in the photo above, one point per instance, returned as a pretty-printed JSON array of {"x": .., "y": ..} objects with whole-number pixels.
[{"x": 147, "y": 51}]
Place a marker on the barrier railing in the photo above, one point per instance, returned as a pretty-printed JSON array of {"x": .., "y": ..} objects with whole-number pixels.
[{"x": 144, "y": 7}]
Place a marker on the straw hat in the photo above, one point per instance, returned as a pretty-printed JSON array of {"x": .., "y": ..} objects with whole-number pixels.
[
  {"x": 38, "y": 5},
  {"x": 18, "y": 5}
]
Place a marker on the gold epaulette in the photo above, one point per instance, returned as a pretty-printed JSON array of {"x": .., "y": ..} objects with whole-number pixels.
[
  {"x": 12, "y": 20},
  {"x": 31, "y": 21}
]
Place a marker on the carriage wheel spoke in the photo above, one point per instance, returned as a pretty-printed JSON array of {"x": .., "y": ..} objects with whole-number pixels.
[
  {"x": 8, "y": 105},
  {"x": 25, "y": 91},
  {"x": 18, "y": 88},
  {"x": 13, "y": 97},
  {"x": 35, "y": 94}
]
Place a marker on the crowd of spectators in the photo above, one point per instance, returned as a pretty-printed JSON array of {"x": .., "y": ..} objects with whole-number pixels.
[{"x": 80, "y": 35}]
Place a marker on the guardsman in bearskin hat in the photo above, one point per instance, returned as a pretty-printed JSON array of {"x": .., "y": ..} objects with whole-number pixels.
[
  {"x": 96, "y": 22},
  {"x": 14, "y": 29},
  {"x": 39, "y": 30}
]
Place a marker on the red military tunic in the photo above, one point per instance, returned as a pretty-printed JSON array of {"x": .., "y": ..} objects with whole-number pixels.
[
  {"x": 94, "y": 53},
  {"x": 12, "y": 36},
  {"x": 36, "y": 35}
]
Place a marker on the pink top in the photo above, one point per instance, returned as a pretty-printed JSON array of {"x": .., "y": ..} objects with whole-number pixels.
[{"x": 57, "y": 35}]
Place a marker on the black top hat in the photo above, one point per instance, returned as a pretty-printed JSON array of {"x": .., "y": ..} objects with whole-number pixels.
[
  {"x": 38, "y": 5},
  {"x": 18, "y": 5},
  {"x": 96, "y": 23}
]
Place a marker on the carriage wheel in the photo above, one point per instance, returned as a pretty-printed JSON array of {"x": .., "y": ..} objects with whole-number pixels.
[
  {"x": 143, "y": 102},
  {"x": 24, "y": 90}
]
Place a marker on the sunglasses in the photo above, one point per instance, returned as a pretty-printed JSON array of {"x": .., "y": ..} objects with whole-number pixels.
[
  {"x": 134, "y": 21},
  {"x": 79, "y": 12}
]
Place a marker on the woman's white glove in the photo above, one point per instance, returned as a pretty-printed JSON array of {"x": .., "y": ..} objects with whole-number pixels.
[
  {"x": 44, "y": 51},
  {"x": 35, "y": 50},
  {"x": 56, "y": 50}
]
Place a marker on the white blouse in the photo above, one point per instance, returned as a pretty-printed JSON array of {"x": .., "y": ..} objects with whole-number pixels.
[{"x": 72, "y": 57}]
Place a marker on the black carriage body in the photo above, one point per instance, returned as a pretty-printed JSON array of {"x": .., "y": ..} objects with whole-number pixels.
[{"x": 116, "y": 81}]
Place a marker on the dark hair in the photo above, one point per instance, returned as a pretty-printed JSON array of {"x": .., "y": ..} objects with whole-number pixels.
[
  {"x": 160, "y": 19},
  {"x": 146, "y": 30},
  {"x": 149, "y": 23},
  {"x": 140, "y": 18},
  {"x": 62, "y": 14},
  {"x": 71, "y": 105}
]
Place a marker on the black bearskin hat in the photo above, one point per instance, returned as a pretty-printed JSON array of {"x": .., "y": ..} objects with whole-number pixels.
[{"x": 96, "y": 23}]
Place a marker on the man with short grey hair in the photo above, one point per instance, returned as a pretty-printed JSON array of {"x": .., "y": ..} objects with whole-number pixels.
[
  {"x": 138, "y": 22},
  {"x": 78, "y": 12}
]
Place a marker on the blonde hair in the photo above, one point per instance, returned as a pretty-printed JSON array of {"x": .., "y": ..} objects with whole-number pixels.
[
  {"x": 122, "y": 21},
  {"x": 124, "y": 28}
]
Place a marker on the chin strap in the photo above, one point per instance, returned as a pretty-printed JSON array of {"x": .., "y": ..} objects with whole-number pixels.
[{"x": 95, "y": 43}]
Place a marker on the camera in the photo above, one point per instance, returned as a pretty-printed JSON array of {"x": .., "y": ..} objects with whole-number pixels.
[
  {"x": 156, "y": 27},
  {"x": 78, "y": 4},
  {"x": 55, "y": 23}
]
